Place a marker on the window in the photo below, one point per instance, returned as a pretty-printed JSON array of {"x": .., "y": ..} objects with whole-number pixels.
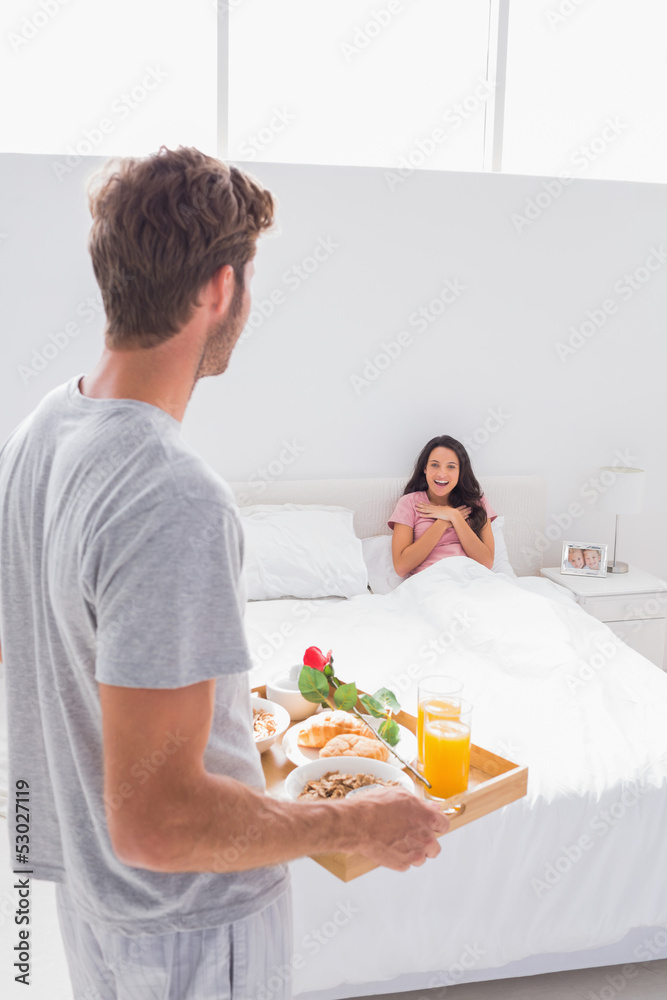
[
  {"x": 554, "y": 86},
  {"x": 586, "y": 85},
  {"x": 96, "y": 78},
  {"x": 391, "y": 83}
]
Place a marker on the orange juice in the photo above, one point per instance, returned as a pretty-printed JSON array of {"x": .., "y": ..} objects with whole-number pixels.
[
  {"x": 446, "y": 756},
  {"x": 441, "y": 708}
]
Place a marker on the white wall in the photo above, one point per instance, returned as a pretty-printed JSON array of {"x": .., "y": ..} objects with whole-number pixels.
[{"x": 492, "y": 351}]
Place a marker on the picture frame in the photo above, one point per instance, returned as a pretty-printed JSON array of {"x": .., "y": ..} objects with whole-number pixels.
[{"x": 584, "y": 559}]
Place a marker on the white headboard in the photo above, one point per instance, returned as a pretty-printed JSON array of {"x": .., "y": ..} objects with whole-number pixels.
[{"x": 520, "y": 499}]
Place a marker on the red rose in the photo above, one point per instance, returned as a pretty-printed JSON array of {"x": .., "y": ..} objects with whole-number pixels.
[{"x": 314, "y": 657}]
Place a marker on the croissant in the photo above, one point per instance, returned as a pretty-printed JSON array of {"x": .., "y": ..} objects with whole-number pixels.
[
  {"x": 351, "y": 745},
  {"x": 322, "y": 730}
]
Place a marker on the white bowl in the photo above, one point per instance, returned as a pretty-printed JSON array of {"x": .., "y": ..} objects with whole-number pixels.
[
  {"x": 296, "y": 779},
  {"x": 285, "y": 691},
  {"x": 282, "y": 721}
]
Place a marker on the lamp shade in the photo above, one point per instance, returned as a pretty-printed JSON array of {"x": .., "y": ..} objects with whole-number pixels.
[{"x": 625, "y": 492}]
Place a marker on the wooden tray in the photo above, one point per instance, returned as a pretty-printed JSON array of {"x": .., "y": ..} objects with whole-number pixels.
[{"x": 494, "y": 782}]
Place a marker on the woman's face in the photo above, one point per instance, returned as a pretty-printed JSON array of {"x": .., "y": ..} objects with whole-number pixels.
[{"x": 442, "y": 473}]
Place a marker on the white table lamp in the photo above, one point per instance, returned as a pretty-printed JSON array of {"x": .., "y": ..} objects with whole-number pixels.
[{"x": 625, "y": 495}]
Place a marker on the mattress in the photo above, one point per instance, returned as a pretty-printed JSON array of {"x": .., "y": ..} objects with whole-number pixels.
[{"x": 577, "y": 864}]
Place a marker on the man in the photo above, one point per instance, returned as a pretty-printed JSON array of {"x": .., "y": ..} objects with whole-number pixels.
[{"x": 121, "y": 622}]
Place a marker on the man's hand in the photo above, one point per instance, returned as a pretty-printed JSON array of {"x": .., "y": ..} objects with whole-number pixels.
[{"x": 395, "y": 828}]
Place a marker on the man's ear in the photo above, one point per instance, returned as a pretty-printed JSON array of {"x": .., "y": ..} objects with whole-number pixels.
[{"x": 221, "y": 289}]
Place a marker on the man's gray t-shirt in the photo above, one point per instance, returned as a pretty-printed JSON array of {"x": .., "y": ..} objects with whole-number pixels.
[{"x": 120, "y": 563}]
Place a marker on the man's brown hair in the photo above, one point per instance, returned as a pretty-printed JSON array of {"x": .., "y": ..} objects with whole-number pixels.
[{"x": 162, "y": 226}]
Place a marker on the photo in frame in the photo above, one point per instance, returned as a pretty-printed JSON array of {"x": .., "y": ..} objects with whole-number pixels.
[{"x": 584, "y": 559}]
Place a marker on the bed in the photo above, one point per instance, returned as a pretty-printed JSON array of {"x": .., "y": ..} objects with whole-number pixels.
[{"x": 572, "y": 876}]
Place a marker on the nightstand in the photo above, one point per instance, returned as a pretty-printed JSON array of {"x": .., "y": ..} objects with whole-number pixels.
[{"x": 632, "y": 604}]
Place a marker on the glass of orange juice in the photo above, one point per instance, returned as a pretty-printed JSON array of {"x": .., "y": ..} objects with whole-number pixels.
[
  {"x": 447, "y": 751},
  {"x": 440, "y": 694}
]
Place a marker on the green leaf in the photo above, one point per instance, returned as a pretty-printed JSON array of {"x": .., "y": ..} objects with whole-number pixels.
[
  {"x": 374, "y": 707},
  {"x": 390, "y": 731},
  {"x": 313, "y": 685},
  {"x": 345, "y": 697},
  {"x": 388, "y": 699}
]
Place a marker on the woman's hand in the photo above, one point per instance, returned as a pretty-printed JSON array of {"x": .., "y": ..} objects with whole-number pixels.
[
  {"x": 442, "y": 512},
  {"x": 437, "y": 511}
]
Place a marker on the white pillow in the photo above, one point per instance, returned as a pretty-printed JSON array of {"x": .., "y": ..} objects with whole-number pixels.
[
  {"x": 295, "y": 550},
  {"x": 501, "y": 561},
  {"x": 383, "y": 578}
]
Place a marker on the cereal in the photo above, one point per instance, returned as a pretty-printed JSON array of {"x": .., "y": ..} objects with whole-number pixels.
[
  {"x": 333, "y": 785},
  {"x": 264, "y": 724}
]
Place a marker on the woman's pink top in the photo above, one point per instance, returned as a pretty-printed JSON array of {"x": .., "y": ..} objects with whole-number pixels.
[{"x": 405, "y": 512}]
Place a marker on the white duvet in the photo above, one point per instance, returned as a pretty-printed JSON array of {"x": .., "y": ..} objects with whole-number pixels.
[{"x": 576, "y": 864}]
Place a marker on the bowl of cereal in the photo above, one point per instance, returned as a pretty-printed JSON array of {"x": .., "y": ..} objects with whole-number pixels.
[
  {"x": 269, "y": 720},
  {"x": 335, "y": 777}
]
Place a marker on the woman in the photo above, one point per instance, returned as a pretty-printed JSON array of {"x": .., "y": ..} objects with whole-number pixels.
[{"x": 442, "y": 511}]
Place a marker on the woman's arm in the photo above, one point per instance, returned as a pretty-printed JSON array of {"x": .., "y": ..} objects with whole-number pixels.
[
  {"x": 406, "y": 553},
  {"x": 480, "y": 549}
]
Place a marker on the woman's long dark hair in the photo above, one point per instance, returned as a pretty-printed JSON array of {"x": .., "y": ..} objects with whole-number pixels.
[{"x": 466, "y": 493}]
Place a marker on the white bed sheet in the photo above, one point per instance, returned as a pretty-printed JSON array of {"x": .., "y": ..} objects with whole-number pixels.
[{"x": 551, "y": 687}]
